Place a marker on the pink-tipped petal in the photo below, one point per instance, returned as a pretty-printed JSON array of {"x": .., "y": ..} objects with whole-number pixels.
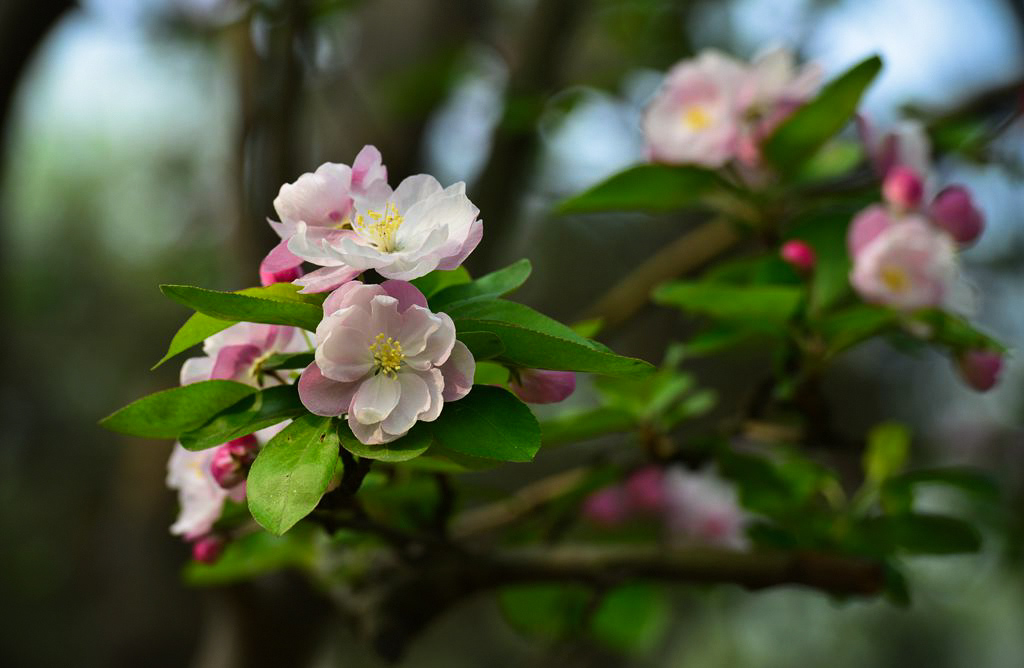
[
  {"x": 280, "y": 259},
  {"x": 326, "y": 279},
  {"x": 232, "y": 362},
  {"x": 866, "y": 226},
  {"x": 323, "y": 396},
  {"x": 406, "y": 293},
  {"x": 476, "y": 233},
  {"x": 458, "y": 372}
]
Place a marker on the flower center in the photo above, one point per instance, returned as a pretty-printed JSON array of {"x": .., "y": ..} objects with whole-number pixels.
[
  {"x": 895, "y": 279},
  {"x": 696, "y": 119},
  {"x": 381, "y": 227},
  {"x": 387, "y": 355}
]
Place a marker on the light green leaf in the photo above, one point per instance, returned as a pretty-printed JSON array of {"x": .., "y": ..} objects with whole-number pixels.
[
  {"x": 410, "y": 446},
  {"x": 489, "y": 423},
  {"x": 887, "y": 451},
  {"x": 292, "y": 472},
  {"x": 256, "y": 411},
  {"x": 758, "y": 305},
  {"x": 244, "y": 308},
  {"x": 170, "y": 413},
  {"x": 632, "y": 618},
  {"x": 438, "y": 280},
  {"x": 654, "y": 188},
  {"x": 803, "y": 133},
  {"x": 253, "y": 555},
  {"x": 494, "y": 284}
]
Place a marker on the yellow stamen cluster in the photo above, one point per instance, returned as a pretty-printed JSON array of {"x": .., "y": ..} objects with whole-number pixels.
[
  {"x": 387, "y": 355},
  {"x": 696, "y": 118},
  {"x": 382, "y": 226},
  {"x": 895, "y": 279}
]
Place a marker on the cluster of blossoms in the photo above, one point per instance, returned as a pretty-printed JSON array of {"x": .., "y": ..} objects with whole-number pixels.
[
  {"x": 714, "y": 109},
  {"x": 382, "y": 359},
  {"x": 693, "y": 507}
]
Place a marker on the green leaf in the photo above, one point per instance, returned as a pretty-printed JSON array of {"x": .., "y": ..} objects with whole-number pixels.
[
  {"x": 585, "y": 425},
  {"x": 755, "y": 304},
  {"x": 547, "y": 611},
  {"x": 410, "y": 446},
  {"x": 256, "y": 411},
  {"x": 887, "y": 451},
  {"x": 918, "y": 533},
  {"x": 632, "y": 618},
  {"x": 489, "y": 423},
  {"x": 803, "y": 133},
  {"x": 292, "y": 472},
  {"x": 847, "y": 328},
  {"x": 956, "y": 333},
  {"x": 533, "y": 340},
  {"x": 253, "y": 555},
  {"x": 438, "y": 280},
  {"x": 826, "y": 234},
  {"x": 244, "y": 308},
  {"x": 494, "y": 284},
  {"x": 170, "y": 413},
  {"x": 973, "y": 482},
  {"x": 654, "y": 188},
  {"x": 286, "y": 361},
  {"x": 200, "y": 326},
  {"x": 483, "y": 345}
]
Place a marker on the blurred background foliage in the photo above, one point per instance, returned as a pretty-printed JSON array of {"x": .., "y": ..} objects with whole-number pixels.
[{"x": 144, "y": 142}]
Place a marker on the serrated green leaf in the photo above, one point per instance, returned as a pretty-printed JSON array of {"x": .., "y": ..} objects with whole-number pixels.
[
  {"x": 483, "y": 345},
  {"x": 489, "y": 423},
  {"x": 199, "y": 326},
  {"x": 292, "y": 472},
  {"x": 758, "y": 305},
  {"x": 807, "y": 130},
  {"x": 257, "y": 411},
  {"x": 494, "y": 284},
  {"x": 654, "y": 188},
  {"x": 170, "y": 413},
  {"x": 244, "y": 308},
  {"x": 410, "y": 446}
]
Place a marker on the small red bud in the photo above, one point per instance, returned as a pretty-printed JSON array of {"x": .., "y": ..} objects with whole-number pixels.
[
  {"x": 980, "y": 369},
  {"x": 902, "y": 188},
  {"x": 207, "y": 548},
  {"x": 230, "y": 462},
  {"x": 798, "y": 254},
  {"x": 954, "y": 211}
]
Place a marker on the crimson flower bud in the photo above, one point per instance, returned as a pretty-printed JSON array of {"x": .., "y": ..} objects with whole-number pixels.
[
  {"x": 536, "y": 386},
  {"x": 799, "y": 255},
  {"x": 231, "y": 461},
  {"x": 980, "y": 369},
  {"x": 902, "y": 188},
  {"x": 954, "y": 211},
  {"x": 207, "y": 548}
]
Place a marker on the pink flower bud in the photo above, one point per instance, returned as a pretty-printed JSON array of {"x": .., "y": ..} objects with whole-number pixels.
[
  {"x": 230, "y": 462},
  {"x": 866, "y": 226},
  {"x": 536, "y": 386},
  {"x": 607, "y": 507},
  {"x": 284, "y": 276},
  {"x": 799, "y": 255},
  {"x": 645, "y": 490},
  {"x": 902, "y": 188},
  {"x": 954, "y": 211},
  {"x": 980, "y": 369},
  {"x": 207, "y": 548}
]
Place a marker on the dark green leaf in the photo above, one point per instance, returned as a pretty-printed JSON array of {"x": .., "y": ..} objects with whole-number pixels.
[
  {"x": 489, "y": 423},
  {"x": 918, "y": 534},
  {"x": 585, "y": 425},
  {"x": 412, "y": 445},
  {"x": 494, "y": 284},
  {"x": 257, "y": 411},
  {"x": 976, "y": 483},
  {"x": 483, "y": 345},
  {"x": 803, "y": 133},
  {"x": 438, "y": 280},
  {"x": 244, "y": 308},
  {"x": 286, "y": 361},
  {"x": 756, "y": 304},
  {"x": 170, "y": 413},
  {"x": 655, "y": 188},
  {"x": 292, "y": 472},
  {"x": 851, "y": 326},
  {"x": 632, "y": 618},
  {"x": 958, "y": 334},
  {"x": 548, "y": 611}
]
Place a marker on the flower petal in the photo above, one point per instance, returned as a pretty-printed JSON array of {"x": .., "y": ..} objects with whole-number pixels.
[
  {"x": 344, "y": 355},
  {"x": 326, "y": 279},
  {"x": 415, "y": 399},
  {"x": 376, "y": 397},
  {"x": 458, "y": 372},
  {"x": 323, "y": 396}
]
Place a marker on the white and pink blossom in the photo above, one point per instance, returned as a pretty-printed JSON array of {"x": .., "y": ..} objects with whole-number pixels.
[
  {"x": 703, "y": 508},
  {"x": 384, "y": 360},
  {"x": 235, "y": 353},
  {"x": 200, "y": 497},
  {"x": 321, "y": 203},
  {"x": 909, "y": 265}
]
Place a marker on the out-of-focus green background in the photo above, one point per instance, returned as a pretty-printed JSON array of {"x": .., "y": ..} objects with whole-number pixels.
[{"x": 143, "y": 143}]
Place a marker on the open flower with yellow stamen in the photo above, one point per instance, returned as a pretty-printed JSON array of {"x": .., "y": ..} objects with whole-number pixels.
[
  {"x": 384, "y": 360},
  {"x": 403, "y": 233}
]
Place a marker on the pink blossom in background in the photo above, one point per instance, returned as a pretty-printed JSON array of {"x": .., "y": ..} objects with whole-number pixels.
[
  {"x": 538, "y": 386},
  {"x": 866, "y": 226},
  {"x": 321, "y": 202},
  {"x": 402, "y": 234},
  {"x": 200, "y": 497},
  {"x": 207, "y": 549},
  {"x": 693, "y": 118},
  {"x": 953, "y": 210},
  {"x": 910, "y": 265},
  {"x": 703, "y": 508},
  {"x": 645, "y": 490},
  {"x": 607, "y": 507},
  {"x": 233, "y": 353},
  {"x": 980, "y": 369},
  {"x": 384, "y": 360},
  {"x": 903, "y": 188},
  {"x": 799, "y": 255},
  {"x": 906, "y": 144},
  {"x": 283, "y": 276},
  {"x": 230, "y": 463}
]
